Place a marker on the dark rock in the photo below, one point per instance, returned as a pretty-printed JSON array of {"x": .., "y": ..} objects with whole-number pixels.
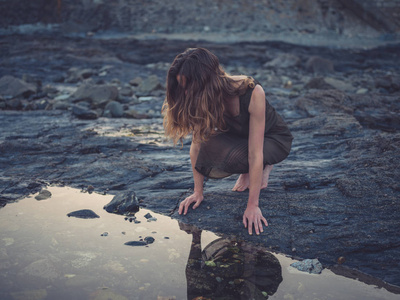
[
  {"x": 136, "y": 81},
  {"x": 43, "y": 195},
  {"x": 96, "y": 95},
  {"x": 148, "y": 216},
  {"x": 308, "y": 265},
  {"x": 11, "y": 87},
  {"x": 84, "y": 113},
  {"x": 150, "y": 84},
  {"x": 113, "y": 109},
  {"x": 325, "y": 101},
  {"x": 126, "y": 92},
  {"x": 283, "y": 61},
  {"x": 318, "y": 83},
  {"x": 123, "y": 204},
  {"x": 149, "y": 239},
  {"x": 136, "y": 243},
  {"x": 83, "y": 214},
  {"x": 319, "y": 65},
  {"x": 389, "y": 83}
]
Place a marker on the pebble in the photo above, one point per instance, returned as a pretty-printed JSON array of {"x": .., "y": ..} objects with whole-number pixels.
[{"x": 104, "y": 234}]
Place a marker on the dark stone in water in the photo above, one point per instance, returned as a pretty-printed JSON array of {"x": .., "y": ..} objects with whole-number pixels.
[
  {"x": 149, "y": 239},
  {"x": 43, "y": 195},
  {"x": 136, "y": 243},
  {"x": 83, "y": 214},
  {"x": 123, "y": 204},
  {"x": 148, "y": 216}
]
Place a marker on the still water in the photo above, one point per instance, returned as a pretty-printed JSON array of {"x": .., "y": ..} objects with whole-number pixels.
[{"x": 44, "y": 254}]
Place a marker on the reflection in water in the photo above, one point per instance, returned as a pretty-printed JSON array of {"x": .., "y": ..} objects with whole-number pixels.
[
  {"x": 229, "y": 269},
  {"x": 46, "y": 255}
]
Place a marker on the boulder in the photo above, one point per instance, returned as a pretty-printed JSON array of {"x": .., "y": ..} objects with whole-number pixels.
[
  {"x": 318, "y": 83},
  {"x": 11, "y": 87},
  {"x": 325, "y": 101},
  {"x": 283, "y": 61},
  {"x": 84, "y": 113},
  {"x": 150, "y": 84},
  {"x": 123, "y": 204},
  {"x": 84, "y": 214},
  {"x": 308, "y": 265},
  {"x": 319, "y": 65},
  {"x": 97, "y": 95},
  {"x": 113, "y": 109}
]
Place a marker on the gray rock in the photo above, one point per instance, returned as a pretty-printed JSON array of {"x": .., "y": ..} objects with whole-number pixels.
[
  {"x": 113, "y": 109},
  {"x": 308, "y": 265},
  {"x": 318, "y": 83},
  {"x": 11, "y": 87},
  {"x": 84, "y": 214},
  {"x": 283, "y": 61},
  {"x": 319, "y": 65},
  {"x": 136, "y": 243},
  {"x": 43, "y": 195},
  {"x": 97, "y": 95},
  {"x": 150, "y": 84},
  {"x": 84, "y": 113},
  {"x": 123, "y": 204}
]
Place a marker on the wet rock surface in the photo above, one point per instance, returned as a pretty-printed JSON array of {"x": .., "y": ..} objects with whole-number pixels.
[{"x": 335, "y": 196}]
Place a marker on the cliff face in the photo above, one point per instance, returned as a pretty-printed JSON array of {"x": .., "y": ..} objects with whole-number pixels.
[{"x": 348, "y": 17}]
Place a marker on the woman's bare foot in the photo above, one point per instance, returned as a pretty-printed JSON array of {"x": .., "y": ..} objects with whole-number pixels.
[
  {"x": 242, "y": 183},
  {"x": 267, "y": 170}
]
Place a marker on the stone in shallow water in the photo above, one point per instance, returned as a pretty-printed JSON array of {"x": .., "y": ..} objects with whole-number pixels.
[
  {"x": 308, "y": 265},
  {"x": 43, "y": 195},
  {"x": 136, "y": 243},
  {"x": 123, "y": 204},
  {"x": 83, "y": 214}
]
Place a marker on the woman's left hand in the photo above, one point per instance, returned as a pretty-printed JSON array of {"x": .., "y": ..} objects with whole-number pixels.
[{"x": 253, "y": 216}]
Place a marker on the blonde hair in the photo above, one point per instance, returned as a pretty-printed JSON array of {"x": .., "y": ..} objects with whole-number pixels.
[{"x": 196, "y": 101}]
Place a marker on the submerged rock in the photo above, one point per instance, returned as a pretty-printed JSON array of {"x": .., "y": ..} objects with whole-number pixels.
[
  {"x": 43, "y": 195},
  {"x": 136, "y": 243},
  {"x": 123, "y": 204},
  {"x": 83, "y": 214},
  {"x": 308, "y": 265}
]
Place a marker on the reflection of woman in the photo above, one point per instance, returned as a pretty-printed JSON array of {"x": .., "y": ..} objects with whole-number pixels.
[
  {"x": 229, "y": 270},
  {"x": 235, "y": 129}
]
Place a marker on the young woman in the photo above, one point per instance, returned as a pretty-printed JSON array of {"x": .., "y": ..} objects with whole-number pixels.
[{"x": 234, "y": 128}]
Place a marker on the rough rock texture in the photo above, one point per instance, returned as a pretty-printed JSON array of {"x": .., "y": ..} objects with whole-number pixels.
[
  {"x": 347, "y": 17},
  {"x": 335, "y": 196}
]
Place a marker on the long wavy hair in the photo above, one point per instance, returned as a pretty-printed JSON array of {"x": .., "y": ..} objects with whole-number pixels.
[{"x": 196, "y": 101}]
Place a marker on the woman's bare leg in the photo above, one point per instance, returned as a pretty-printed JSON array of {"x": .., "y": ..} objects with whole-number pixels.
[
  {"x": 243, "y": 181},
  {"x": 266, "y": 172}
]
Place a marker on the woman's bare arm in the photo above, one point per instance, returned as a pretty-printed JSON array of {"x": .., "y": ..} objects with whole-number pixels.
[
  {"x": 197, "y": 196},
  {"x": 253, "y": 215}
]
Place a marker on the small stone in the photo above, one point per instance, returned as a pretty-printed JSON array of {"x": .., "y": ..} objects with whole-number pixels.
[
  {"x": 152, "y": 219},
  {"x": 104, "y": 234},
  {"x": 43, "y": 195},
  {"x": 90, "y": 189},
  {"x": 341, "y": 260},
  {"x": 219, "y": 279},
  {"x": 148, "y": 216},
  {"x": 308, "y": 265},
  {"x": 83, "y": 214},
  {"x": 149, "y": 239}
]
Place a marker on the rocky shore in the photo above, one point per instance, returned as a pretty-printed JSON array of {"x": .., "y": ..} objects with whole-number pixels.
[{"x": 85, "y": 112}]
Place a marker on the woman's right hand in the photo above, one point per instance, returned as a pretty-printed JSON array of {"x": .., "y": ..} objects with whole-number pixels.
[{"x": 195, "y": 198}]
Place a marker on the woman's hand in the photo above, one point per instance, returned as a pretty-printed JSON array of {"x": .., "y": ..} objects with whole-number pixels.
[
  {"x": 195, "y": 198},
  {"x": 253, "y": 216}
]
